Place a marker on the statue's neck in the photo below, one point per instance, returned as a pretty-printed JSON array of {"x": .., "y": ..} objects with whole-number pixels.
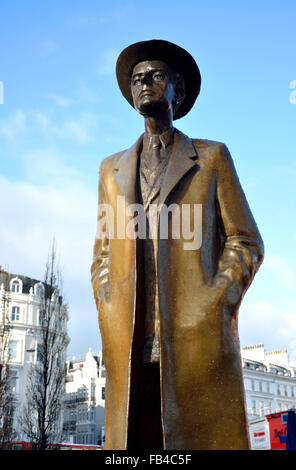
[{"x": 158, "y": 125}]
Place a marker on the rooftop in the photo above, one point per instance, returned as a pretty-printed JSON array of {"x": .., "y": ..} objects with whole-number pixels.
[{"x": 28, "y": 282}]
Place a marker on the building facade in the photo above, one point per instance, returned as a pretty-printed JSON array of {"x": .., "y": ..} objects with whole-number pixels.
[
  {"x": 270, "y": 381},
  {"x": 20, "y": 312},
  {"x": 84, "y": 400}
]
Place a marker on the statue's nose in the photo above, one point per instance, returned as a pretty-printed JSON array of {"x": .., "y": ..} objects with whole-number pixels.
[{"x": 146, "y": 80}]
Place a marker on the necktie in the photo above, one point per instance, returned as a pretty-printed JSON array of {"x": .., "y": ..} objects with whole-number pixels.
[{"x": 156, "y": 145}]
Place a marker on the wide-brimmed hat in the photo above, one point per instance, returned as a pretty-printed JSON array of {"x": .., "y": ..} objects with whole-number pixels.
[{"x": 175, "y": 56}]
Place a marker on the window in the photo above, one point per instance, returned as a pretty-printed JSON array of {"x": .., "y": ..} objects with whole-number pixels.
[
  {"x": 260, "y": 386},
  {"x": 39, "y": 290},
  {"x": 13, "y": 379},
  {"x": 59, "y": 323},
  {"x": 103, "y": 393},
  {"x": 252, "y": 384},
  {"x": 58, "y": 360},
  {"x": 40, "y": 356},
  {"x": 261, "y": 412},
  {"x": 93, "y": 390},
  {"x": 268, "y": 407},
  {"x": 253, "y": 407},
  {"x": 15, "y": 314},
  {"x": 15, "y": 286},
  {"x": 13, "y": 350}
]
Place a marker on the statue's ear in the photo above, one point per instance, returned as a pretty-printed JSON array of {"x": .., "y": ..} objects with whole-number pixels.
[
  {"x": 180, "y": 95},
  {"x": 179, "y": 92}
]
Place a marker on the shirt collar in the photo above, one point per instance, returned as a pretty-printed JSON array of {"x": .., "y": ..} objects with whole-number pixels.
[{"x": 166, "y": 138}]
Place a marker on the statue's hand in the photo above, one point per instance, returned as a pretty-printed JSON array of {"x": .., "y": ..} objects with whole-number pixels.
[{"x": 225, "y": 290}]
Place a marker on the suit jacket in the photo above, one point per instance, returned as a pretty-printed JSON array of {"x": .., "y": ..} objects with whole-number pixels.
[{"x": 200, "y": 291}]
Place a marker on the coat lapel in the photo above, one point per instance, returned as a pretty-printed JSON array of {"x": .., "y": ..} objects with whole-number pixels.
[
  {"x": 183, "y": 158},
  {"x": 127, "y": 172}
]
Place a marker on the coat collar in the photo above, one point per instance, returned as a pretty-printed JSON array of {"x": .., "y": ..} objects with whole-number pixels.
[
  {"x": 183, "y": 158},
  {"x": 166, "y": 138}
]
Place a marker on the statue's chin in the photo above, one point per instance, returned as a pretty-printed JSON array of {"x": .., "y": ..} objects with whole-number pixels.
[{"x": 153, "y": 109}]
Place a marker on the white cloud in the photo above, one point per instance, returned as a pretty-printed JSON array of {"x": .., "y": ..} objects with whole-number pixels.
[
  {"x": 83, "y": 96},
  {"x": 33, "y": 213},
  {"x": 54, "y": 203},
  {"x": 41, "y": 119},
  {"x": 263, "y": 322},
  {"x": 47, "y": 165},
  {"x": 61, "y": 101},
  {"x": 80, "y": 129},
  {"x": 13, "y": 125}
]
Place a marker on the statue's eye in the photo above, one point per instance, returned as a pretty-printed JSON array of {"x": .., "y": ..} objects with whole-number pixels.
[
  {"x": 159, "y": 76},
  {"x": 136, "y": 81}
]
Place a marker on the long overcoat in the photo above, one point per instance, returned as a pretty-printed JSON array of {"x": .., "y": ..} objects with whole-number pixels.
[{"x": 200, "y": 290}]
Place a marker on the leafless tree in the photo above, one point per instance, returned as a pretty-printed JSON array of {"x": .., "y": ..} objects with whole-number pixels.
[
  {"x": 6, "y": 393},
  {"x": 46, "y": 380}
]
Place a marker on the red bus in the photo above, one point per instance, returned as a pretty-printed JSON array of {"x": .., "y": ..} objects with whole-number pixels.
[
  {"x": 278, "y": 430},
  {"x": 269, "y": 432}
]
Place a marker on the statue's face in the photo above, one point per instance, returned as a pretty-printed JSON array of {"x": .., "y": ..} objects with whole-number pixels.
[{"x": 153, "y": 88}]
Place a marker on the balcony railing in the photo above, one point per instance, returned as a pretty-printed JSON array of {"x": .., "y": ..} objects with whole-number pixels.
[
  {"x": 69, "y": 424},
  {"x": 72, "y": 400}
]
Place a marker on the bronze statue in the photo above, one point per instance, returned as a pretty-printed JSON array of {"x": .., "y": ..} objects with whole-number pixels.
[{"x": 168, "y": 314}]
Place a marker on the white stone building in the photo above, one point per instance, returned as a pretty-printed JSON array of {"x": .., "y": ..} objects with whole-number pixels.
[
  {"x": 23, "y": 322},
  {"x": 270, "y": 381},
  {"x": 84, "y": 400}
]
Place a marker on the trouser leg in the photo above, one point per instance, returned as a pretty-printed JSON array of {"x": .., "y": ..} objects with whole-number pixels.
[{"x": 146, "y": 417}]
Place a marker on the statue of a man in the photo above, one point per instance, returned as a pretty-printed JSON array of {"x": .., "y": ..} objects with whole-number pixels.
[{"x": 168, "y": 312}]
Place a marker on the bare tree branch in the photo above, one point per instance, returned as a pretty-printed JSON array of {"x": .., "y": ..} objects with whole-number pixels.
[
  {"x": 6, "y": 393},
  {"x": 47, "y": 378}
]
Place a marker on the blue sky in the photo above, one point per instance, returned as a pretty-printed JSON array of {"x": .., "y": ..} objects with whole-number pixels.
[{"x": 63, "y": 113}]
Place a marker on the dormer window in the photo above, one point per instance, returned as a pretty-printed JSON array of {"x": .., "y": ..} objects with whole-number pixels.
[
  {"x": 15, "y": 286},
  {"x": 39, "y": 290}
]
